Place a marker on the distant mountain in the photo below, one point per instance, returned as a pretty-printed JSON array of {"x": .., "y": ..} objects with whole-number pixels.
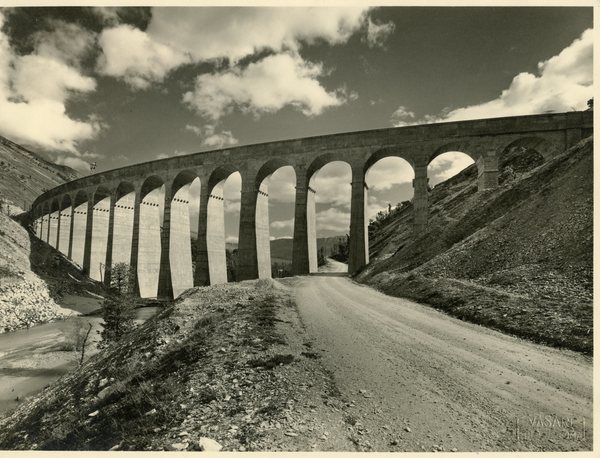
[{"x": 24, "y": 175}]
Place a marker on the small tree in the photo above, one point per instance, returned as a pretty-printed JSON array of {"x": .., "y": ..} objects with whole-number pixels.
[
  {"x": 118, "y": 311},
  {"x": 121, "y": 277}
]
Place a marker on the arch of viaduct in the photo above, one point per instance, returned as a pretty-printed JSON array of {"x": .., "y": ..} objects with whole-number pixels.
[{"x": 122, "y": 216}]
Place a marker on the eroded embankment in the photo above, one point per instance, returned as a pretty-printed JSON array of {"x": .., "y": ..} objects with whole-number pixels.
[
  {"x": 228, "y": 363},
  {"x": 517, "y": 258}
]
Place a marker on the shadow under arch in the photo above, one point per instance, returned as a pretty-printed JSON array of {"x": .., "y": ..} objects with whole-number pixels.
[
  {"x": 462, "y": 146},
  {"x": 64, "y": 224},
  {"x": 53, "y": 218},
  {"x": 80, "y": 208},
  {"x": 545, "y": 148}
]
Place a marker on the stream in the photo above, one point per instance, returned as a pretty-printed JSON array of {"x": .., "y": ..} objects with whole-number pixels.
[{"x": 31, "y": 359}]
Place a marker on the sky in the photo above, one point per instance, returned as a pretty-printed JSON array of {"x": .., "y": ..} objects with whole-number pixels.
[{"x": 119, "y": 86}]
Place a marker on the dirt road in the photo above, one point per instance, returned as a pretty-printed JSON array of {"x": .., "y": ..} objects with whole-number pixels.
[{"x": 421, "y": 380}]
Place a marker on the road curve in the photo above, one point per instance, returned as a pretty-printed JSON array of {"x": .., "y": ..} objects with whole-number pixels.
[{"x": 421, "y": 380}]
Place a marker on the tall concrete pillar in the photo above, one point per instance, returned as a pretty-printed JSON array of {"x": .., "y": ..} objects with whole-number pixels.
[
  {"x": 134, "y": 287},
  {"x": 47, "y": 228},
  {"x": 53, "y": 228},
  {"x": 79, "y": 233},
  {"x": 99, "y": 238},
  {"x": 57, "y": 241},
  {"x": 247, "y": 256},
  {"x": 358, "y": 255},
  {"x": 71, "y": 226},
  {"x": 109, "y": 239},
  {"x": 180, "y": 247},
  {"x": 149, "y": 244},
  {"x": 215, "y": 236},
  {"x": 420, "y": 199},
  {"x": 263, "y": 238},
  {"x": 89, "y": 231},
  {"x": 165, "y": 284},
  {"x": 304, "y": 254},
  {"x": 202, "y": 273},
  {"x": 311, "y": 230},
  {"x": 123, "y": 229},
  {"x": 487, "y": 169},
  {"x": 64, "y": 230}
]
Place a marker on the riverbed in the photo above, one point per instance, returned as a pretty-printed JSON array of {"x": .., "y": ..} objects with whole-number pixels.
[{"x": 31, "y": 359}]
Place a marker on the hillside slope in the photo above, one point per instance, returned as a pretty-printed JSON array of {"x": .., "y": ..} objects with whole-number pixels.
[
  {"x": 37, "y": 281},
  {"x": 517, "y": 258},
  {"x": 228, "y": 363},
  {"x": 34, "y": 278},
  {"x": 24, "y": 175}
]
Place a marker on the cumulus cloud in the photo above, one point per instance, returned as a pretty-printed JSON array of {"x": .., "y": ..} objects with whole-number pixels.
[
  {"x": 265, "y": 86},
  {"x": 234, "y": 33},
  {"x": 231, "y": 239},
  {"x": 74, "y": 162},
  {"x": 65, "y": 42},
  {"x": 282, "y": 185},
  {"x": 231, "y": 191},
  {"x": 173, "y": 154},
  {"x": 34, "y": 90},
  {"x": 563, "y": 83},
  {"x": 280, "y": 225},
  {"x": 333, "y": 220},
  {"x": 212, "y": 137},
  {"x": 402, "y": 117},
  {"x": 109, "y": 15},
  {"x": 333, "y": 184},
  {"x": 177, "y": 36},
  {"x": 389, "y": 171},
  {"x": 377, "y": 34},
  {"x": 132, "y": 55}
]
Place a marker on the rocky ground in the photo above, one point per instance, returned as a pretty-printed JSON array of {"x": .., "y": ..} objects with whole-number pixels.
[
  {"x": 227, "y": 365},
  {"x": 517, "y": 258}
]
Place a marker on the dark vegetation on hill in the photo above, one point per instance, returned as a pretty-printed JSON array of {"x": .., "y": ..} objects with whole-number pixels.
[
  {"x": 24, "y": 175},
  {"x": 517, "y": 258}
]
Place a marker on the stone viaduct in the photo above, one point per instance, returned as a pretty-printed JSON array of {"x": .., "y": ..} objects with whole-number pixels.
[{"x": 140, "y": 214}]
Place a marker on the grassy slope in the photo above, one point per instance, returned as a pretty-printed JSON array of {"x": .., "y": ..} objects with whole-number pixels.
[
  {"x": 517, "y": 258},
  {"x": 24, "y": 175},
  {"x": 220, "y": 362}
]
